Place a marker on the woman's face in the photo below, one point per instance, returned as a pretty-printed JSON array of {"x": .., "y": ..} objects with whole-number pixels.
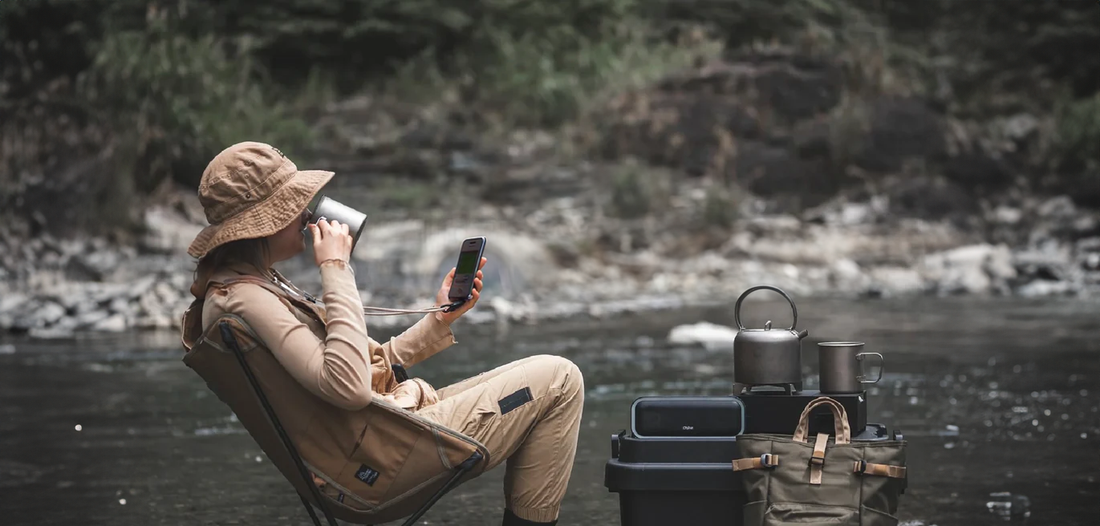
[{"x": 290, "y": 241}]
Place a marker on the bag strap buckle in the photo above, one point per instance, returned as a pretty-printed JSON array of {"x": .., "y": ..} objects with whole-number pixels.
[
  {"x": 768, "y": 460},
  {"x": 861, "y": 466}
]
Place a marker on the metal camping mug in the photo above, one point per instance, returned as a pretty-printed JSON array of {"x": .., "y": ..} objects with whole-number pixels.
[
  {"x": 841, "y": 367},
  {"x": 328, "y": 209}
]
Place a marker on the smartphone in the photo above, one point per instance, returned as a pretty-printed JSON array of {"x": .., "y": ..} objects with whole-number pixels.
[{"x": 469, "y": 257}]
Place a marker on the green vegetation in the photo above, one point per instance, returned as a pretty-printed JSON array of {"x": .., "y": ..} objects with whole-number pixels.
[
  {"x": 637, "y": 190},
  {"x": 154, "y": 88}
]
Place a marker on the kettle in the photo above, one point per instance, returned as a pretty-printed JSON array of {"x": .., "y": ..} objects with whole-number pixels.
[{"x": 767, "y": 356}]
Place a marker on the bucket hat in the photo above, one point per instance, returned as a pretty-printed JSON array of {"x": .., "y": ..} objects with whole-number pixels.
[{"x": 251, "y": 190}]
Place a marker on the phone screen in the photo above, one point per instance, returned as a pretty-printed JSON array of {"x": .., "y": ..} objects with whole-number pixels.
[{"x": 467, "y": 263}]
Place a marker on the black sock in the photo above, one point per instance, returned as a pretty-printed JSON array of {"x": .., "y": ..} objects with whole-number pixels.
[{"x": 510, "y": 519}]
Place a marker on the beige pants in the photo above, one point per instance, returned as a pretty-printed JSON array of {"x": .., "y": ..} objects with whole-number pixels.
[{"x": 528, "y": 412}]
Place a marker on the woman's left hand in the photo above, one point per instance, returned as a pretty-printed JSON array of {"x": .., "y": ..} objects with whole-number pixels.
[{"x": 442, "y": 299}]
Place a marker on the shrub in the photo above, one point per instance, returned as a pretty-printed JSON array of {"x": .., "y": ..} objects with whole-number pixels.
[
  {"x": 176, "y": 101},
  {"x": 1076, "y": 148},
  {"x": 720, "y": 207},
  {"x": 637, "y": 190}
]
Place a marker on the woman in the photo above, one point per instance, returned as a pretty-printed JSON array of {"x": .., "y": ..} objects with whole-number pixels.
[{"x": 526, "y": 412}]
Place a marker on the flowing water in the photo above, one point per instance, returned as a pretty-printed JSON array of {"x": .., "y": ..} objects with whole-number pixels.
[{"x": 994, "y": 396}]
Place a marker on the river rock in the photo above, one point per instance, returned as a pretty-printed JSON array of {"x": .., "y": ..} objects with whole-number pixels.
[
  {"x": 112, "y": 323},
  {"x": 896, "y": 281},
  {"x": 710, "y": 335},
  {"x": 1051, "y": 262},
  {"x": 1043, "y": 288},
  {"x": 168, "y": 230},
  {"x": 847, "y": 276},
  {"x": 973, "y": 269},
  {"x": 47, "y": 314},
  {"x": 90, "y": 318},
  {"x": 10, "y": 301}
]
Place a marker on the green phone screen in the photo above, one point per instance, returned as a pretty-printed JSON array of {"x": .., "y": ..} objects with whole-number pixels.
[{"x": 467, "y": 263}]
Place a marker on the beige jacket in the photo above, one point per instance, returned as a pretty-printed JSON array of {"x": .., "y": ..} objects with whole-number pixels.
[
  {"x": 335, "y": 359},
  {"x": 330, "y": 384}
]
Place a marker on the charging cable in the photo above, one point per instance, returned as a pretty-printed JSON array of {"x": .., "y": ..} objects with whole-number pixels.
[
  {"x": 382, "y": 311},
  {"x": 367, "y": 310}
]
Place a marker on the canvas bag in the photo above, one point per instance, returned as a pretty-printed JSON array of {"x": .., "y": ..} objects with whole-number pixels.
[{"x": 829, "y": 480}]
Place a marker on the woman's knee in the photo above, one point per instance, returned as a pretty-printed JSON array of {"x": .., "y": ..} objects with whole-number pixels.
[{"x": 566, "y": 374}]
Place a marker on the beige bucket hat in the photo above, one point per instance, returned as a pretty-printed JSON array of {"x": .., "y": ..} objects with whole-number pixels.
[{"x": 251, "y": 190}]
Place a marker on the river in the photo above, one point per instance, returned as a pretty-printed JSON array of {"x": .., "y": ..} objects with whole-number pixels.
[{"x": 994, "y": 395}]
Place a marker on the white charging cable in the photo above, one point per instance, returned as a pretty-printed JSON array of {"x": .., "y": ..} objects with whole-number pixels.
[
  {"x": 367, "y": 310},
  {"x": 382, "y": 311}
]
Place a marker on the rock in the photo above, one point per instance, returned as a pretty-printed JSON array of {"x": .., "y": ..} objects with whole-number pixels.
[
  {"x": 1043, "y": 288},
  {"x": 1006, "y": 215},
  {"x": 896, "y": 281},
  {"x": 11, "y": 301},
  {"x": 847, "y": 276},
  {"x": 91, "y": 318},
  {"x": 1053, "y": 263},
  {"x": 710, "y": 335},
  {"x": 48, "y": 314},
  {"x": 1020, "y": 127},
  {"x": 1057, "y": 208},
  {"x": 112, "y": 323},
  {"x": 1088, "y": 254},
  {"x": 122, "y": 305},
  {"x": 153, "y": 321},
  {"x": 974, "y": 269},
  {"x": 95, "y": 265}
]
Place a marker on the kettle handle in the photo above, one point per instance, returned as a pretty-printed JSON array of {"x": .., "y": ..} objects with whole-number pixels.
[{"x": 737, "y": 307}]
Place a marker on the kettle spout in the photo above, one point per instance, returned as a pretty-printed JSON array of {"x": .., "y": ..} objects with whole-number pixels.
[{"x": 803, "y": 334}]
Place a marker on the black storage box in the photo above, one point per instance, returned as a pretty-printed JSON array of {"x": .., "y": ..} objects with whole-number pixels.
[
  {"x": 682, "y": 481},
  {"x": 777, "y": 413}
]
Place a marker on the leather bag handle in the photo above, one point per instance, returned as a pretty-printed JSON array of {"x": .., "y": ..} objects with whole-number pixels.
[{"x": 840, "y": 421}]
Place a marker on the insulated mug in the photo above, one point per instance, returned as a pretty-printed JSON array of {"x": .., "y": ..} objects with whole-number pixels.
[
  {"x": 329, "y": 209},
  {"x": 841, "y": 367}
]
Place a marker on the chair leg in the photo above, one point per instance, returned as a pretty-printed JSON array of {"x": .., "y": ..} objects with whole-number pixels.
[
  {"x": 462, "y": 468},
  {"x": 309, "y": 510},
  {"x": 231, "y": 341}
]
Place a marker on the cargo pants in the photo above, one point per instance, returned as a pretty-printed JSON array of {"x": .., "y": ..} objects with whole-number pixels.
[{"x": 527, "y": 412}]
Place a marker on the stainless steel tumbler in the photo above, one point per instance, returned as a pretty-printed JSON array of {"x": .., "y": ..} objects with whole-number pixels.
[
  {"x": 841, "y": 367},
  {"x": 328, "y": 209}
]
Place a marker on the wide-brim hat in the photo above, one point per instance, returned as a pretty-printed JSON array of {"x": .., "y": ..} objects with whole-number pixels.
[{"x": 251, "y": 190}]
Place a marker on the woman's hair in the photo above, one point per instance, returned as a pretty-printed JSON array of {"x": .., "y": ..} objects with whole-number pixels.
[{"x": 252, "y": 252}]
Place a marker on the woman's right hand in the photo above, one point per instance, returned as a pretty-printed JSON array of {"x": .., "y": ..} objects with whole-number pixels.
[{"x": 331, "y": 240}]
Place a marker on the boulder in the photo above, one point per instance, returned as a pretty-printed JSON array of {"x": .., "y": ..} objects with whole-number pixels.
[
  {"x": 973, "y": 269},
  {"x": 112, "y": 323},
  {"x": 710, "y": 335}
]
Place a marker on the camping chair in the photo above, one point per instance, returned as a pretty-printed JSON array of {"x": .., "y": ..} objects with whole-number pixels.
[{"x": 451, "y": 457}]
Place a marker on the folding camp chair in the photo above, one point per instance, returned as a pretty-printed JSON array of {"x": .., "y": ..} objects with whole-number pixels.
[{"x": 447, "y": 457}]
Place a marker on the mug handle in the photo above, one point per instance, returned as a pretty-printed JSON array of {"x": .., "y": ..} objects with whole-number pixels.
[{"x": 881, "y": 366}]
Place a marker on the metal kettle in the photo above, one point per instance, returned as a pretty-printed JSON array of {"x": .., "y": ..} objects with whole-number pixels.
[{"x": 767, "y": 356}]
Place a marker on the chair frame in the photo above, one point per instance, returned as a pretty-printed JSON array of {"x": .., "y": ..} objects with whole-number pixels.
[{"x": 231, "y": 341}]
